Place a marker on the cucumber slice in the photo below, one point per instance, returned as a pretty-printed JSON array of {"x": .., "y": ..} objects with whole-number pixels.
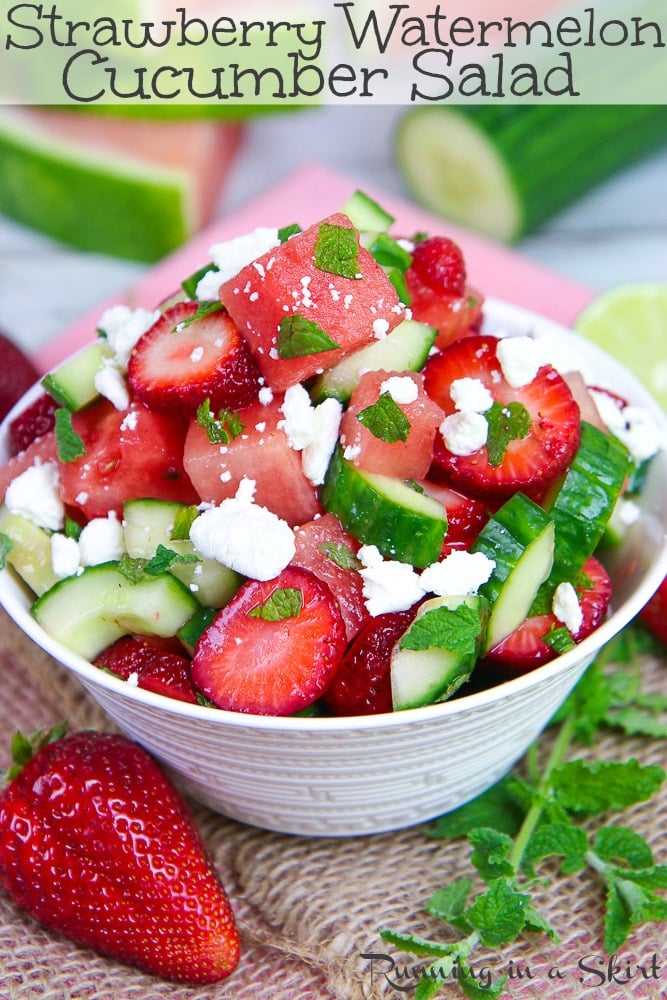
[
  {"x": 88, "y": 612},
  {"x": 148, "y": 523},
  {"x": 423, "y": 676},
  {"x": 72, "y": 384},
  {"x": 503, "y": 170},
  {"x": 584, "y": 503},
  {"x": 365, "y": 214},
  {"x": 520, "y": 540},
  {"x": 403, "y": 524},
  {"x": 30, "y": 554},
  {"x": 405, "y": 348}
]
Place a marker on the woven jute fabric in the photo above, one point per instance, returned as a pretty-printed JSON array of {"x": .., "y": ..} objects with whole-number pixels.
[{"x": 309, "y": 909}]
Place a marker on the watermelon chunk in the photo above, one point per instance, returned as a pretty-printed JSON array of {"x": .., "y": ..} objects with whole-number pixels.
[
  {"x": 261, "y": 452},
  {"x": 286, "y": 284},
  {"x": 406, "y": 458}
]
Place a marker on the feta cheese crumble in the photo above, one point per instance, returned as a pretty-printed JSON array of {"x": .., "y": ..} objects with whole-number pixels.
[
  {"x": 34, "y": 494},
  {"x": 388, "y": 585},
  {"x": 247, "y": 538},
  {"x": 65, "y": 555},
  {"x": 520, "y": 359},
  {"x": 123, "y": 327},
  {"x": 230, "y": 256},
  {"x": 566, "y": 607},
  {"x": 401, "y": 388},
  {"x": 470, "y": 395},
  {"x": 110, "y": 383},
  {"x": 464, "y": 433},
  {"x": 458, "y": 574},
  {"x": 633, "y": 425},
  {"x": 101, "y": 540},
  {"x": 312, "y": 430}
]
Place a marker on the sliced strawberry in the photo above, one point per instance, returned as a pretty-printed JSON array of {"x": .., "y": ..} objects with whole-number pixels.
[
  {"x": 362, "y": 683},
  {"x": 31, "y": 423},
  {"x": 324, "y": 547},
  {"x": 654, "y": 614},
  {"x": 157, "y": 668},
  {"x": 274, "y": 648},
  {"x": 466, "y": 516},
  {"x": 438, "y": 263},
  {"x": 526, "y": 649},
  {"x": 190, "y": 355},
  {"x": 528, "y": 462},
  {"x": 17, "y": 374}
]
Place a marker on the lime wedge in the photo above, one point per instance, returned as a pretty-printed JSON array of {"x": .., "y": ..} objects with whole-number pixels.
[{"x": 630, "y": 323}]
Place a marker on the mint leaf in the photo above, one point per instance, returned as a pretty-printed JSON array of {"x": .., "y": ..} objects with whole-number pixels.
[
  {"x": 339, "y": 554},
  {"x": 596, "y": 787},
  {"x": 189, "y": 284},
  {"x": 417, "y": 945},
  {"x": 621, "y": 844},
  {"x": 298, "y": 337},
  {"x": 502, "y": 807},
  {"x": 449, "y": 904},
  {"x": 562, "y": 840},
  {"x": 637, "y": 722},
  {"x": 337, "y": 250},
  {"x": 507, "y": 422},
  {"x": 389, "y": 253},
  {"x": 6, "y": 546},
  {"x": 69, "y": 444},
  {"x": 285, "y": 602},
  {"x": 455, "y": 629},
  {"x": 385, "y": 420},
  {"x": 220, "y": 429},
  {"x": 628, "y": 904},
  {"x": 499, "y": 914},
  {"x": 183, "y": 521},
  {"x": 165, "y": 558},
  {"x": 132, "y": 569},
  {"x": 476, "y": 989},
  {"x": 72, "y": 528},
  {"x": 537, "y": 923},
  {"x": 285, "y": 232},
  {"x": 203, "y": 309},
  {"x": 491, "y": 853}
]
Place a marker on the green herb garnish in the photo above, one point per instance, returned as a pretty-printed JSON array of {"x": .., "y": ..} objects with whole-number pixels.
[
  {"x": 337, "y": 250},
  {"x": 286, "y": 602},
  {"x": 204, "y": 309},
  {"x": 507, "y": 422},
  {"x": 219, "y": 429},
  {"x": 385, "y": 420},
  {"x": 340, "y": 555},
  {"x": 455, "y": 629},
  {"x": 69, "y": 444},
  {"x": 298, "y": 337}
]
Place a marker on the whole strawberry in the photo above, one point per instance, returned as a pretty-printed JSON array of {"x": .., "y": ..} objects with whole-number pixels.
[{"x": 97, "y": 844}]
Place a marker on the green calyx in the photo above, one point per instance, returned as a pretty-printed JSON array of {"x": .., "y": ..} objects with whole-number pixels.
[{"x": 24, "y": 748}]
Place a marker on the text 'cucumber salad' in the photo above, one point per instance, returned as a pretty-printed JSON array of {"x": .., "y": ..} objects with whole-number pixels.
[{"x": 310, "y": 482}]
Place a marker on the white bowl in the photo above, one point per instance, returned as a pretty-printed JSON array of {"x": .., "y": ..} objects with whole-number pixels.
[{"x": 370, "y": 774}]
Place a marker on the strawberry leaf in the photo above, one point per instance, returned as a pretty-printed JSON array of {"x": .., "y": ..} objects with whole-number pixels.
[
  {"x": 298, "y": 337},
  {"x": 337, "y": 250},
  {"x": 507, "y": 422},
  {"x": 385, "y": 420}
]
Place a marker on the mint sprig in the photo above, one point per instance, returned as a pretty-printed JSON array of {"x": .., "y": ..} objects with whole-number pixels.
[
  {"x": 220, "y": 428},
  {"x": 522, "y": 821}
]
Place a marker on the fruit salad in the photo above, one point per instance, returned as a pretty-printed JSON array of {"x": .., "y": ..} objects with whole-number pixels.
[{"x": 312, "y": 482}]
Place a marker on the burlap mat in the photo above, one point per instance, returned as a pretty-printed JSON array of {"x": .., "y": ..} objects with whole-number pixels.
[{"x": 309, "y": 909}]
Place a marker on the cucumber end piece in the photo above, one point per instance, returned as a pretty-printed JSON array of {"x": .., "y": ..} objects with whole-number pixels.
[{"x": 453, "y": 169}]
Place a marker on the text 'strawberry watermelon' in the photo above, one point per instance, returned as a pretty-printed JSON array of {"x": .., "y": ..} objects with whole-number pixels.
[
  {"x": 299, "y": 318},
  {"x": 190, "y": 354},
  {"x": 97, "y": 844}
]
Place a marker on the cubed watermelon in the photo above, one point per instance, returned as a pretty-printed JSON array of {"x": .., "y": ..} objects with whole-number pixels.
[
  {"x": 327, "y": 550},
  {"x": 287, "y": 306},
  {"x": 261, "y": 452},
  {"x": 370, "y": 444}
]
